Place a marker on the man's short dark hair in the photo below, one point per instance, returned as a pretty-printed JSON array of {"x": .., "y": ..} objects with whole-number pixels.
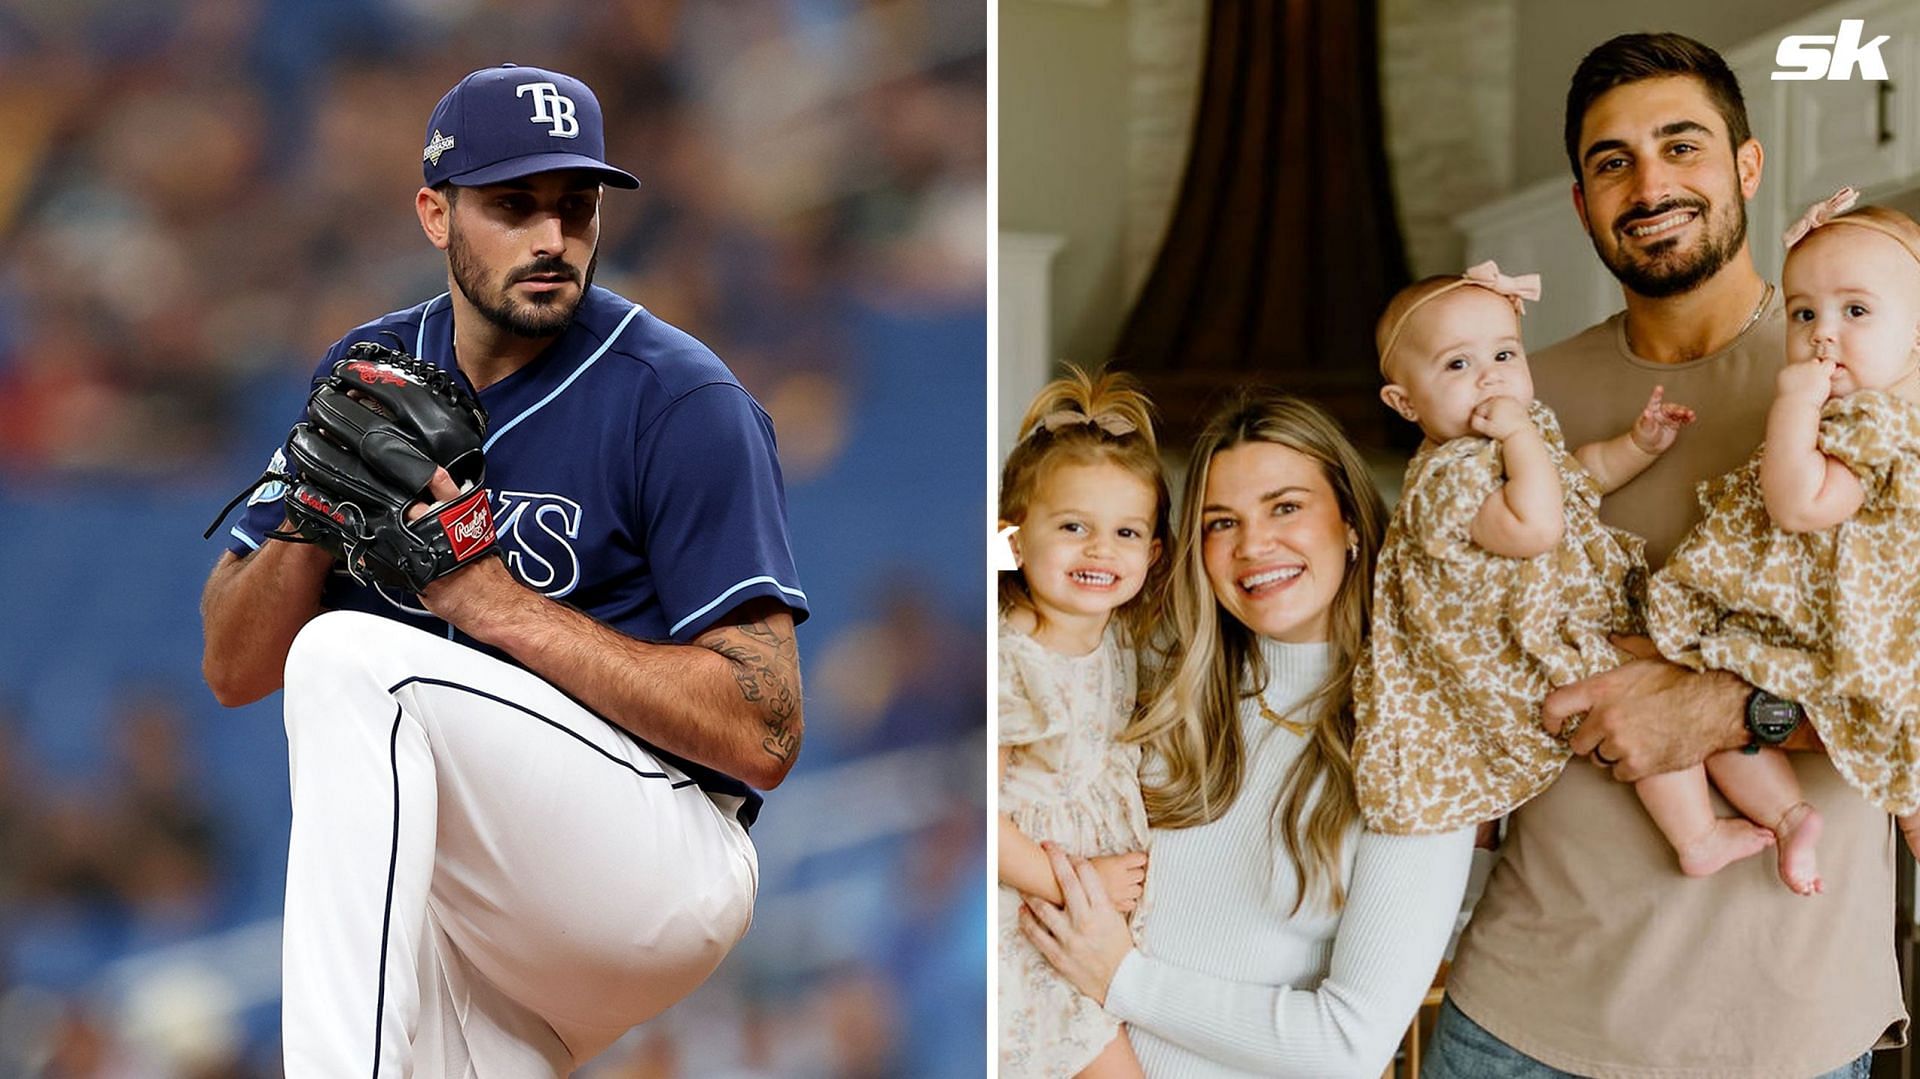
[{"x": 1633, "y": 57}]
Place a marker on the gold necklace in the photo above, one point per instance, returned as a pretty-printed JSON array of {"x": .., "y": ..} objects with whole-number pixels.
[
  {"x": 1294, "y": 725},
  {"x": 1766, "y": 297}
]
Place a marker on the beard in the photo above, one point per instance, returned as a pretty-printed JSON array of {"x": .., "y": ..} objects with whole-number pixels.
[
  {"x": 545, "y": 315},
  {"x": 1662, "y": 269}
]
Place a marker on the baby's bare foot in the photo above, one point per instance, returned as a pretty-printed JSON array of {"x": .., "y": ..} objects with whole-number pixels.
[
  {"x": 1726, "y": 842},
  {"x": 1797, "y": 833}
]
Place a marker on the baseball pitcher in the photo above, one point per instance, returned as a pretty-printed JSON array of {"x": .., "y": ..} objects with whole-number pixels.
[{"x": 522, "y": 568}]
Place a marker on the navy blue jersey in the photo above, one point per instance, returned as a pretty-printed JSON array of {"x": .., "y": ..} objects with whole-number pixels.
[{"x": 632, "y": 477}]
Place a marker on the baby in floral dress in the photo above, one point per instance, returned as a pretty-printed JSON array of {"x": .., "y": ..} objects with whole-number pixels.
[
  {"x": 1497, "y": 582},
  {"x": 1800, "y": 578}
]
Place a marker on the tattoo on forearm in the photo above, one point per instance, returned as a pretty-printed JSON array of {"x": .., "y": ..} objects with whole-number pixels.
[{"x": 766, "y": 664}]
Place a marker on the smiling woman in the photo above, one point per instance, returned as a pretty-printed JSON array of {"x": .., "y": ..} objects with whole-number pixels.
[{"x": 1273, "y": 540}]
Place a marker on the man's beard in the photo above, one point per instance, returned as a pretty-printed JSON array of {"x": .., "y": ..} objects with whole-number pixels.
[
  {"x": 546, "y": 315},
  {"x": 1660, "y": 272}
]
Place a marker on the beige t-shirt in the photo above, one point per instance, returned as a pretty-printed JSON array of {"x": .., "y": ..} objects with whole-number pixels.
[{"x": 1590, "y": 951}]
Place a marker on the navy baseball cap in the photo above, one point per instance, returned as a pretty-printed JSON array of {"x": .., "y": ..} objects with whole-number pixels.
[{"x": 505, "y": 122}]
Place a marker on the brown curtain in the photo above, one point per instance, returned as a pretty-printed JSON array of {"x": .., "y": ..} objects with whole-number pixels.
[{"x": 1283, "y": 246}]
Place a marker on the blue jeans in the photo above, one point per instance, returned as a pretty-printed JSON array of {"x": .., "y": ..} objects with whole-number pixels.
[{"x": 1462, "y": 1049}]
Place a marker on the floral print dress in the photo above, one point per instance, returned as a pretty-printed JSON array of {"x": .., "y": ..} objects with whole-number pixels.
[
  {"x": 1069, "y": 781},
  {"x": 1465, "y": 643},
  {"x": 1829, "y": 618}
]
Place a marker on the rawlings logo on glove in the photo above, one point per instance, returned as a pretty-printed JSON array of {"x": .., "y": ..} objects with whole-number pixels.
[
  {"x": 377, "y": 428},
  {"x": 469, "y": 525}
]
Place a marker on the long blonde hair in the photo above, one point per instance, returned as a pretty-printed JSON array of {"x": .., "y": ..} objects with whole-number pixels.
[
  {"x": 1083, "y": 419},
  {"x": 1212, "y": 662}
]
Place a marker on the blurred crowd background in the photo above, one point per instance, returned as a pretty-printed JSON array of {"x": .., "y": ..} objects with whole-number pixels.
[{"x": 197, "y": 196}]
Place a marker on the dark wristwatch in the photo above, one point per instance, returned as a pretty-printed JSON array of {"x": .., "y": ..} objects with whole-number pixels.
[{"x": 1770, "y": 720}]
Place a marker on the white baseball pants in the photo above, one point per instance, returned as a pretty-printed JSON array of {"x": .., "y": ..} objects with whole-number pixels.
[{"x": 484, "y": 878}]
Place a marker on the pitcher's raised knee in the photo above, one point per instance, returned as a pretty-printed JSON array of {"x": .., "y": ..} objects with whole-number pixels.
[{"x": 332, "y": 650}]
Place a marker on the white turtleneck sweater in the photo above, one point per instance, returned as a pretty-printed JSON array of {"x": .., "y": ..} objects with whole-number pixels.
[{"x": 1228, "y": 982}]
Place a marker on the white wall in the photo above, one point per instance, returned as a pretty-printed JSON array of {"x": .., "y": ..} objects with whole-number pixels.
[{"x": 1063, "y": 156}]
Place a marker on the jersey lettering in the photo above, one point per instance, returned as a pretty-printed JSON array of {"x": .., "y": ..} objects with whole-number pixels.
[
  {"x": 536, "y": 533},
  {"x": 550, "y": 106}
]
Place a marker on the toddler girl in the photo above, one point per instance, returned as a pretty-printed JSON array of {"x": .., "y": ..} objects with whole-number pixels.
[
  {"x": 1800, "y": 579},
  {"x": 1497, "y": 582},
  {"x": 1085, "y": 490}
]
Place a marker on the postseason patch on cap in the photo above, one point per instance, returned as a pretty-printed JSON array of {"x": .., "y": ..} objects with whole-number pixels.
[{"x": 437, "y": 144}]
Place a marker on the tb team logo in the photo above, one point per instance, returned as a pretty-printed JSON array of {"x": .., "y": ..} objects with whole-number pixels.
[
  {"x": 1831, "y": 56},
  {"x": 550, "y": 106}
]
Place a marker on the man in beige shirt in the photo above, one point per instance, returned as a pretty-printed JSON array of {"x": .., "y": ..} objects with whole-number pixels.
[{"x": 1590, "y": 953}]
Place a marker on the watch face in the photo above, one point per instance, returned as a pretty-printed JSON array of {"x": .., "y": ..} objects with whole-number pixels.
[{"x": 1770, "y": 718}]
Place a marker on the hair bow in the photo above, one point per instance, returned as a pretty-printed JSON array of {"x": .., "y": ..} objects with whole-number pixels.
[
  {"x": 1517, "y": 290},
  {"x": 1112, "y": 423},
  {"x": 1819, "y": 214},
  {"x": 1486, "y": 275}
]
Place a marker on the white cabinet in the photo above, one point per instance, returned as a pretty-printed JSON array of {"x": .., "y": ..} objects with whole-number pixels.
[
  {"x": 1026, "y": 332},
  {"x": 1856, "y": 131}
]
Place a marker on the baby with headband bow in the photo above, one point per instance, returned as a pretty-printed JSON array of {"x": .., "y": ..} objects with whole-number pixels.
[
  {"x": 1497, "y": 581},
  {"x": 1800, "y": 578}
]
